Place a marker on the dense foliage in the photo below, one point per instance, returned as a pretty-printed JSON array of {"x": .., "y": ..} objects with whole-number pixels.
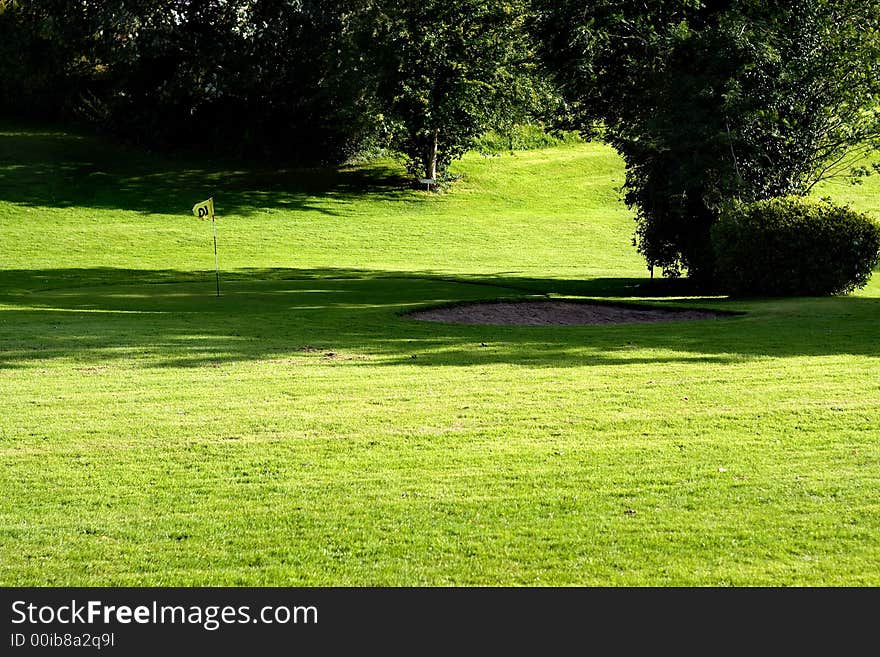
[
  {"x": 794, "y": 246},
  {"x": 443, "y": 73},
  {"x": 250, "y": 78},
  {"x": 307, "y": 79},
  {"x": 708, "y": 102}
]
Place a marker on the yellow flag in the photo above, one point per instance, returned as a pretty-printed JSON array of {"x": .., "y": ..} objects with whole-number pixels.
[{"x": 205, "y": 209}]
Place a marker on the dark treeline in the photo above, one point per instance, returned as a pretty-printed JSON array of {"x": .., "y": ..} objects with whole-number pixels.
[
  {"x": 294, "y": 80},
  {"x": 261, "y": 78}
]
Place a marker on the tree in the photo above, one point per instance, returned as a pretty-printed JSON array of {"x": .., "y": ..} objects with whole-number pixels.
[
  {"x": 442, "y": 73},
  {"x": 708, "y": 102},
  {"x": 40, "y": 56},
  {"x": 309, "y": 80},
  {"x": 259, "y": 78},
  {"x": 253, "y": 78}
]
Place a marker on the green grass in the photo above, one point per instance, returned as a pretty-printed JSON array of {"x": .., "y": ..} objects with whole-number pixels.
[{"x": 300, "y": 430}]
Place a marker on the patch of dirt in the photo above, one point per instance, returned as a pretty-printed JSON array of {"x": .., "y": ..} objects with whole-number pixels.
[{"x": 557, "y": 313}]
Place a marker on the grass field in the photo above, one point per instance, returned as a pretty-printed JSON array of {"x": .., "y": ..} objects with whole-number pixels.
[{"x": 300, "y": 430}]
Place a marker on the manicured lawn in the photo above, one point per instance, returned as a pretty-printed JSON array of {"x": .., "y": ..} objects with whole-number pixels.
[{"x": 299, "y": 430}]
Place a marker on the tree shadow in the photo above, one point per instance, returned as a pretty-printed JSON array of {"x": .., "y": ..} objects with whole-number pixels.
[
  {"x": 168, "y": 318},
  {"x": 61, "y": 169}
]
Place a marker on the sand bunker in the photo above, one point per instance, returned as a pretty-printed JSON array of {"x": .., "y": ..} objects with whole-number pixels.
[{"x": 557, "y": 313}]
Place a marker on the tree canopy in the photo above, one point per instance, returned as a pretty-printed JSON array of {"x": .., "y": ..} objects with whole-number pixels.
[
  {"x": 307, "y": 79},
  {"x": 708, "y": 102},
  {"x": 444, "y": 73}
]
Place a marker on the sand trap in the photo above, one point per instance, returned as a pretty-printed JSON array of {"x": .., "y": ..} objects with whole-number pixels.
[{"x": 557, "y": 313}]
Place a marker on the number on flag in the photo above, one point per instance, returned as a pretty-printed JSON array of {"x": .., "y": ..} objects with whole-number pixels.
[{"x": 205, "y": 209}]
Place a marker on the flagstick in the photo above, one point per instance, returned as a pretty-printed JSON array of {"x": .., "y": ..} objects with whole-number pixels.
[{"x": 216, "y": 261}]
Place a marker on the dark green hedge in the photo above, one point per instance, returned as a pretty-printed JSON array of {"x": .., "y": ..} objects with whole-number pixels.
[{"x": 794, "y": 246}]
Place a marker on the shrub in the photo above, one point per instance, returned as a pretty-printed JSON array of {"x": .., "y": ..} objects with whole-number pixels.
[{"x": 794, "y": 246}]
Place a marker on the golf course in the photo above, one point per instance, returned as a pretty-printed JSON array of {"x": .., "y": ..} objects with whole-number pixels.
[{"x": 302, "y": 429}]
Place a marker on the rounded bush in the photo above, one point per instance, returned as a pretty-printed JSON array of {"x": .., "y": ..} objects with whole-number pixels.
[{"x": 794, "y": 246}]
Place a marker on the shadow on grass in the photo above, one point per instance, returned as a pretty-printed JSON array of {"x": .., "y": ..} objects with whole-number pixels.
[
  {"x": 60, "y": 169},
  {"x": 349, "y": 317}
]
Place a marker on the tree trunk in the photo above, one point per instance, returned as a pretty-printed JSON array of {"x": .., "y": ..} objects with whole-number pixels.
[{"x": 431, "y": 157}]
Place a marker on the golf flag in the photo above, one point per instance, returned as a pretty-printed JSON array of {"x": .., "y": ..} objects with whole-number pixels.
[{"x": 205, "y": 209}]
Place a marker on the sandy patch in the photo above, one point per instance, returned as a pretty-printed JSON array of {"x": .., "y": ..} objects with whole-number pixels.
[{"x": 557, "y": 313}]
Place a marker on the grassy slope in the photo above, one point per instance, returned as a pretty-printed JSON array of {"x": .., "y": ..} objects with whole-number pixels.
[
  {"x": 299, "y": 431},
  {"x": 63, "y": 192}
]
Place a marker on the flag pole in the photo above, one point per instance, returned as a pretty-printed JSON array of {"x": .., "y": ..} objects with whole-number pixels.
[
  {"x": 203, "y": 210},
  {"x": 216, "y": 261}
]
